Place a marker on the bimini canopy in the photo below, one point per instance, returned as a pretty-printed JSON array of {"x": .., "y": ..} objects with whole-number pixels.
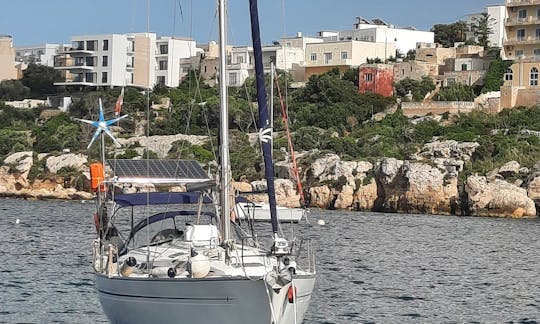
[
  {"x": 158, "y": 171},
  {"x": 160, "y": 198}
]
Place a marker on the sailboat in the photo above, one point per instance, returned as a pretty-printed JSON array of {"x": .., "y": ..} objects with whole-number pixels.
[{"x": 162, "y": 256}]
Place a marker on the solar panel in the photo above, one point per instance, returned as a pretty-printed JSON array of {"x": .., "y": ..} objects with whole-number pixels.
[{"x": 158, "y": 171}]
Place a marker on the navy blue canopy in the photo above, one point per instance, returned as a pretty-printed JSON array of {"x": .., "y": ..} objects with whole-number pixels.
[
  {"x": 160, "y": 198},
  {"x": 241, "y": 199}
]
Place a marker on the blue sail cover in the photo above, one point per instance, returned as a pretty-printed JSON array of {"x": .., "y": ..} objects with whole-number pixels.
[
  {"x": 159, "y": 198},
  {"x": 264, "y": 122}
]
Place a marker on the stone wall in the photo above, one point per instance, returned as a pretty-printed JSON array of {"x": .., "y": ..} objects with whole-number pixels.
[{"x": 411, "y": 109}]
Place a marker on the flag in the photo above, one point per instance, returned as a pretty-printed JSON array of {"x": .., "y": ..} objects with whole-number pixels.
[{"x": 119, "y": 102}]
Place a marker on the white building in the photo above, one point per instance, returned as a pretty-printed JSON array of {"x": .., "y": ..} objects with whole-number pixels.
[
  {"x": 39, "y": 54},
  {"x": 241, "y": 61},
  {"x": 299, "y": 41},
  {"x": 170, "y": 52},
  {"x": 139, "y": 60},
  {"x": 497, "y": 19},
  {"x": 378, "y": 31}
]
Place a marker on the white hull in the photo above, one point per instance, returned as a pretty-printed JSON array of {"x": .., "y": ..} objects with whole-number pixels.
[
  {"x": 260, "y": 212},
  {"x": 210, "y": 300}
]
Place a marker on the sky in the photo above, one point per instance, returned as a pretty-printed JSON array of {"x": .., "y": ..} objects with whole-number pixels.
[{"x": 33, "y": 22}]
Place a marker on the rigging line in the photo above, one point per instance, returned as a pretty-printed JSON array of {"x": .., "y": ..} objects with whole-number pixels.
[
  {"x": 251, "y": 108},
  {"x": 285, "y": 118}
]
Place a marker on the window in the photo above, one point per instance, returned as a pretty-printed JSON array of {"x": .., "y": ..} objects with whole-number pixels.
[
  {"x": 78, "y": 45},
  {"x": 163, "y": 65},
  {"x": 538, "y": 14},
  {"x": 164, "y": 49},
  {"x": 537, "y": 33},
  {"x": 534, "y": 77},
  {"x": 232, "y": 79},
  {"x": 368, "y": 77},
  {"x": 464, "y": 67},
  {"x": 103, "y": 77},
  {"x": 313, "y": 57},
  {"x": 327, "y": 58},
  {"x": 105, "y": 44},
  {"x": 105, "y": 61},
  {"x": 450, "y": 81},
  {"x": 536, "y": 52},
  {"x": 519, "y": 53},
  {"x": 161, "y": 79},
  {"x": 522, "y": 14},
  {"x": 240, "y": 59},
  {"x": 90, "y": 45},
  {"x": 344, "y": 55},
  {"x": 90, "y": 61},
  {"x": 90, "y": 77},
  {"x": 509, "y": 75},
  {"x": 520, "y": 34}
]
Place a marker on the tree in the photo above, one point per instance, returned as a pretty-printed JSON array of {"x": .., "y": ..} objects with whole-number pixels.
[
  {"x": 13, "y": 90},
  {"x": 457, "y": 92},
  {"x": 494, "y": 75},
  {"x": 418, "y": 89},
  {"x": 481, "y": 27},
  {"x": 448, "y": 34},
  {"x": 40, "y": 79},
  {"x": 411, "y": 55}
]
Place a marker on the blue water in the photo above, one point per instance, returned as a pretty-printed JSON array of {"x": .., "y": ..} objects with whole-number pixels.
[{"x": 372, "y": 268}]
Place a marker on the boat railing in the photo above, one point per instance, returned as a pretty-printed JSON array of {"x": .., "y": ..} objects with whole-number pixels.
[{"x": 301, "y": 249}]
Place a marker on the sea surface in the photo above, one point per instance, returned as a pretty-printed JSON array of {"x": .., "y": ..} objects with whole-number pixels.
[{"x": 372, "y": 268}]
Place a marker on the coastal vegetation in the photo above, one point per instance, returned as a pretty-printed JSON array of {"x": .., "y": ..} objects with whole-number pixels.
[{"x": 328, "y": 115}]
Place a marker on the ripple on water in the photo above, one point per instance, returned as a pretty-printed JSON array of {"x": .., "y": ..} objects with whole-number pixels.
[{"x": 458, "y": 269}]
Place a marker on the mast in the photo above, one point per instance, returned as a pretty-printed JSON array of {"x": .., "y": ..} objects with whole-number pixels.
[
  {"x": 224, "y": 125},
  {"x": 264, "y": 124}
]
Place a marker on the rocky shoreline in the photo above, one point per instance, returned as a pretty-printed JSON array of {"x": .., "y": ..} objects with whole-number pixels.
[{"x": 429, "y": 183}]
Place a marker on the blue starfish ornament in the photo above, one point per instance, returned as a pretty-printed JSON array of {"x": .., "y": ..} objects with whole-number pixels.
[{"x": 102, "y": 125}]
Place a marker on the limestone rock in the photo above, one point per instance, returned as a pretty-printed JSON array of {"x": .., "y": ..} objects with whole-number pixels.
[
  {"x": 415, "y": 187},
  {"x": 242, "y": 186},
  {"x": 533, "y": 190},
  {"x": 344, "y": 198},
  {"x": 23, "y": 161},
  {"x": 321, "y": 196},
  {"x": 161, "y": 145},
  {"x": 55, "y": 163},
  {"x": 509, "y": 169},
  {"x": 498, "y": 198},
  {"x": 332, "y": 168},
  {"x": 286, "y": 193},
  {"x": 449, "y": 155},
  {"x": 387, "y": 169},
  {"x": 366, "y": 196}
]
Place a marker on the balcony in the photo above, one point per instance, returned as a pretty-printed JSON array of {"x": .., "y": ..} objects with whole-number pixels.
[
  {"x": 521, "y": 3},
  {"x": 76, "y": 50},
  {"x": 522, "y": 21},
  {"x": 531, "y": 40}
]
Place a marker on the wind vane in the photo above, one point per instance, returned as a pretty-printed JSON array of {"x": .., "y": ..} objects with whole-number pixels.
[{"x": 102, "y": 125}]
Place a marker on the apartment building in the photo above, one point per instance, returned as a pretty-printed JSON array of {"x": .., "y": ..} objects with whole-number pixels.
[
  {"x": 7, "y": 58},
  {"x": 522, "y": 44},
  {"x": 170, "y": 53},
  {"x": 496, "y": 22},
  {"x": 139, "y": 59},
  {"x": 240, "y": 62},
  {"x": 377, "y": 30},
  {"x": 42, "y": 54},
  {"x": 323, "y": 57},
  {"x": 522, "y": 29}
]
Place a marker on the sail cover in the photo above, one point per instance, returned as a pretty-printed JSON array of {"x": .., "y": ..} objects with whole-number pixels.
[{"x": 160, "y": 198}]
